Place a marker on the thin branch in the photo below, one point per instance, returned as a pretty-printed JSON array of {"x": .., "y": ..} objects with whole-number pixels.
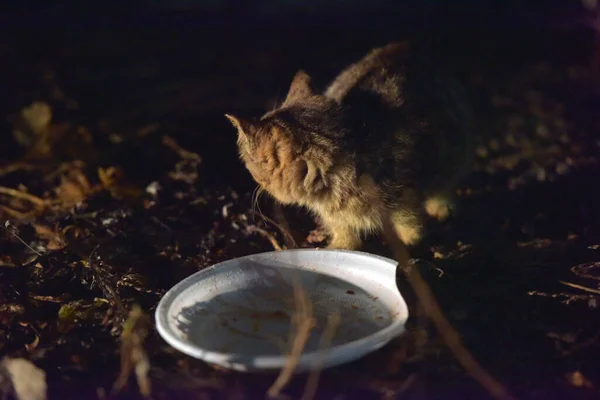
[
  {"x": 304, "y": 321},
  {"x": 180, "y": 151},
  {"x": 6, "y": 225},
  {"x": 266, "y": 235},
  {"x": 15, "y": 214},
  {"x": 333, "y": 322},
  {"x": 41, "y": 203},
  {"x": 283, "y": 226},
  {"x": 433, "y": 311},
  {"x": 584, "y": 288},
  {"x": 15, "y": 167},
  {"x": 579, "y": 270}
]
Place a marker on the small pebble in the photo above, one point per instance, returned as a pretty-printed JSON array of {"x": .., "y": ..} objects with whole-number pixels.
[
  {"x": 562, "y": 168},
  {"x": 481, "y": 152},
  {"x": 494, "y": 144},
  {"x": 153, "y": 188},
  {"x": 511, "y": 140},
  {"x": 541, "y": 174},
  {"x": 542, "y": 130}
]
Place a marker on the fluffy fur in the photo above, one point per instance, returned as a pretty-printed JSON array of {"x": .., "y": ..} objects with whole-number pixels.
[{"x": 387, "y": 132}]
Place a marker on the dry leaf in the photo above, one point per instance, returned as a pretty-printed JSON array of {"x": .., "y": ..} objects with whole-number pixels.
[
  {"x": 55, "y": 240},
  {"x": 37, "y": 116},
  {"x": 109, "y": 176},
  {"x": 74, "y": 188},
  {"x": 10, "y": 311},
  {"x": 31, "y": 123},
  {"x": 112, "y": 178},
  {"x": 28, "y": 381}
]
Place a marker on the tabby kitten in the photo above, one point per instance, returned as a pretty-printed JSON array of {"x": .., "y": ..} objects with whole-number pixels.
[{"x": 387, "y": 136}]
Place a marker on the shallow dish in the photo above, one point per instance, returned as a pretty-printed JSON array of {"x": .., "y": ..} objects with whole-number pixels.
[{"x": 237, "y": 314}]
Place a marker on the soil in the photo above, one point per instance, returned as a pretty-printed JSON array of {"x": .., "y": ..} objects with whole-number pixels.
[{"x": 135, "y": 184}]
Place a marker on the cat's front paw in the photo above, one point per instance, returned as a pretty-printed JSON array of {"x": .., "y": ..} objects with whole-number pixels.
[
  {"x": 348, "y": 242},
  {"x": 438, "y": 207},
  {"x": 410, "y": 235},
  {"x": 318, "y": 235}
]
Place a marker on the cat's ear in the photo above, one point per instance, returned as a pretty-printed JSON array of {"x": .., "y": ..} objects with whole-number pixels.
[
  {"x": 299, "y": 89},
  {"x": 243, "y": 127}
]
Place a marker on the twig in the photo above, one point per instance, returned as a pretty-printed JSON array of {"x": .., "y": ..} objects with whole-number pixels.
[
  {"x": 181, "y": 152},
  {"x": 333, "y": 322},
  {"x": 134, "y": 358},
  {"x": 584, "y": 288},
  {"x": 15, "y": 214},
  {"x": 6, "y": 225},
  {"x": 304, "y": 321},
  {"x": 570, "y": 297},
  {"x": 105, "y": 279},
  {"x": 433, "y": 311},
  {"x": 41, "y": 203},
  {"x": 284, "y": 231},
  {"x": 265, "y": 234},
  {"x": 15, "y": 167},
  {"x": 283, "y": 227},
  {"x": 577, "y": 270}
]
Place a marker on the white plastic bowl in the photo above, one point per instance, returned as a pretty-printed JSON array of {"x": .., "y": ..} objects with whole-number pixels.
[{"x": 237, "y": 314}]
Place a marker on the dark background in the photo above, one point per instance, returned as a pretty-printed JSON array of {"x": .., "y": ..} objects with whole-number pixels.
[
  {"x": 183, "y": 64},
  {"x": 146, "y": 60}
]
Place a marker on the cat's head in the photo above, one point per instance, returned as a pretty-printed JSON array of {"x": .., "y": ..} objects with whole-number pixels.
[{"x": 292, "y": 151}]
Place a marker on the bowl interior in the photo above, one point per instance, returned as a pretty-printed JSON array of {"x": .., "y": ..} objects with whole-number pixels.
[{"x": 245, "y": 307}]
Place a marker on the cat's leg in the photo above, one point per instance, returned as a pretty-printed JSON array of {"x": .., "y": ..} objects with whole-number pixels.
[
  {"x": 440, "y": 198},
  {"x": 408, "y": 217},
  {"x": 440, "y": 206},
  {"x": 342, "y": 236},
  {"x": 409, "y": 225},
  {"x": 441, "y": 203}
]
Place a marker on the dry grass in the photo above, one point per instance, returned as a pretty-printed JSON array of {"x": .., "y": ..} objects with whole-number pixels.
[
  {"x": 133, "y": 356},
  {"x": 333, "y": 322},
  {"x": 303, "y": 322}
]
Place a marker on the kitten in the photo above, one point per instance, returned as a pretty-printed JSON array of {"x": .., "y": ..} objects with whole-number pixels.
[{"x": 387, "y": 132}]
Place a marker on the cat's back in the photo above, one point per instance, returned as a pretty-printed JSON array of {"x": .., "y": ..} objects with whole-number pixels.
[
  {"x": 380, "y": 73},
  {"x": 411, "y": 119}
]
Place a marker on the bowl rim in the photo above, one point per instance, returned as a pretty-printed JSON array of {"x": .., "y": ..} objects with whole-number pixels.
[{"x": 342, "y": 352}]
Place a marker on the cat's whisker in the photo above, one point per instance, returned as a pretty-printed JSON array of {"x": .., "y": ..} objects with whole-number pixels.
[
  {"x": 259, "y": 192},
  {"x": 252, "y": 202},
  {"x": 255, "y": 207}
]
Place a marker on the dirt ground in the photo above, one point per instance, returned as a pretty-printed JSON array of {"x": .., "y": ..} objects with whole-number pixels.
[{"x": 123, "y": 179}]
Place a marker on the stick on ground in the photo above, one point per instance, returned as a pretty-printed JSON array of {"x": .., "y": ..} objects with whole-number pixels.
[
  {"x": 302, "y": 324},
  {"x": 333, "y": 322},
  {"x": 267, "y": 235},
  {"x": 434, "y": 312},
  {"x": 38, "y": 202}
]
